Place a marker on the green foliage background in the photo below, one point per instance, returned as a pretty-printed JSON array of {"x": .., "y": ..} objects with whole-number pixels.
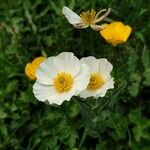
[{"x": 119, "y": 121}]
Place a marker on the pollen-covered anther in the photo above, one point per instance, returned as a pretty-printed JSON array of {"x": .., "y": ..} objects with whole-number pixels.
[
  {"x": 88, "y": 17},
  {"x": 96, "y": 81},
  {"x": 63, "y": 82}
]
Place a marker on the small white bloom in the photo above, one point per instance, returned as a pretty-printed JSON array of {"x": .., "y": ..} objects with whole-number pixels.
[
  {"x": 86, "y": 19},
  {"x": 59, "y": 78},
  {"x": 100, "y": 78}
]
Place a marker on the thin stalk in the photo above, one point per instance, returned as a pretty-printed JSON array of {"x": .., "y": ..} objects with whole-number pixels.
[
  {"x": 84, "y": 135},
  {"x": 129, "y": 134}
]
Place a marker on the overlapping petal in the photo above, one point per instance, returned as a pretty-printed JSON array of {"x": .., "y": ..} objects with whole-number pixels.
[
  {"x": 53, "y": 71},
  {"x": 102, "y": 69}
]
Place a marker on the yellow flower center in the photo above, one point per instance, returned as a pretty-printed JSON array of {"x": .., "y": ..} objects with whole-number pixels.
[
  {"x": 88, "y": 17},
  {"x": 96, "y": 81},
  {"x": 63, "y": 82}
]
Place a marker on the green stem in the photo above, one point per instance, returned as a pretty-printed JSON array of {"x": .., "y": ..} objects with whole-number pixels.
[
  {"x": 130, "y": 143},
  {"x": 84, "y": 135},
  {"x": 116, "y": 128}
]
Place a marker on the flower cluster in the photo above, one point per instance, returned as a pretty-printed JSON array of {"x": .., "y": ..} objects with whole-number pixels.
[
  {"x": 60, "y": 77},
  {"x": 114, "y": 33},
  {"x": 63, "y": 76}
]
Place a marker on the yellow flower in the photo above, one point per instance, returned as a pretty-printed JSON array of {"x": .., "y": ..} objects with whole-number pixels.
[
  {"x": 116, "y": 33},
  {"x": 30, "y": 68}
]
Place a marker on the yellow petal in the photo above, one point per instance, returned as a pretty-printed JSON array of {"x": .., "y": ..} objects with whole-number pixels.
[
  {"x": 30, "y": 68},
  {"x": 38, "y": 60},
  {"x": 126, "y": 33},
  {"x": 36, "y": 63},
  {"x": 106, "y": 32},
  {"x": 29, "y": 71}
]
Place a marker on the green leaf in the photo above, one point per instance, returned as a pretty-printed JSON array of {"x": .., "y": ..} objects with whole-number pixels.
[
  {"x": 134, "y": 89},
  {"x": 72, "y": 4},
  {"x": 85, "y": 111},
  {"x": 140, "y": 36},
  {"x": 11, "y": 87},
  {"x": 2, "y": 114},
  {"x": 135, "y": 84},
  {"x": 28, "y": 15},
  {"x": 132, "y": 61},
  {"x": 135, "y": 77},
  {"x": 119, "y": 124},
  {"x": 146, "y": 76},
  {"x": 141, "y": 125},
  {"x": 48, "y": 40},
  {"x": 146, "y": 58},
  {"x": 3, "y": 131}
]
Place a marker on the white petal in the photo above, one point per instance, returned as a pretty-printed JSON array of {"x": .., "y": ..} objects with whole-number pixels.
[
  {"x": 82, "y": 80},
  {"x": 71, "y": 16},
  {"x": 46, "y": 71},
  {"x": 88, "y": 93},
  {"x": 92, "y": 62},
  {"x": 105, "y": 68},
  {"x": 103, "y": 16},
  {"x": 97, "y": 27},
  {"x": 43, "y": 92},
  {"x": 60, "y": 98},
  {"x": 48, "y": 93},
  {"x": 80, "y": 26},
  {"x": 103, "y": 90},
  {"x": 99, "y": 92},
  {"x": 109, "y": 84},
  {"x": 67, "y": 62}
]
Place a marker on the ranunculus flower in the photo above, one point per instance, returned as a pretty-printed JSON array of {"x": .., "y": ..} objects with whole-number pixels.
[
  {"x": 100, "y": 78},
  {"x": 116, "y": 32},
  {"x": 86, "y": 19},
  {"x": 59, "y": 78}
]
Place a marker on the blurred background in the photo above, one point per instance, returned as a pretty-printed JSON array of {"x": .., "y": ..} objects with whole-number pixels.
[{"x": 119, "y": 121}]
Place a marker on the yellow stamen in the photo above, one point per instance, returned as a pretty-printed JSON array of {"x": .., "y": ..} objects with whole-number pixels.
[
  {"x": 63, "y": 82},
  {"x": 96, "y": 81},
  {"x": 89, "y": 17}
]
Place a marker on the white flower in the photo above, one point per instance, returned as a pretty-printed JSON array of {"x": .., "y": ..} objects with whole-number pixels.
[
  {"x": 100, "y": 78},
  {"x": 59, "y": 78},
  {"x": 86, "y": 19}
]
